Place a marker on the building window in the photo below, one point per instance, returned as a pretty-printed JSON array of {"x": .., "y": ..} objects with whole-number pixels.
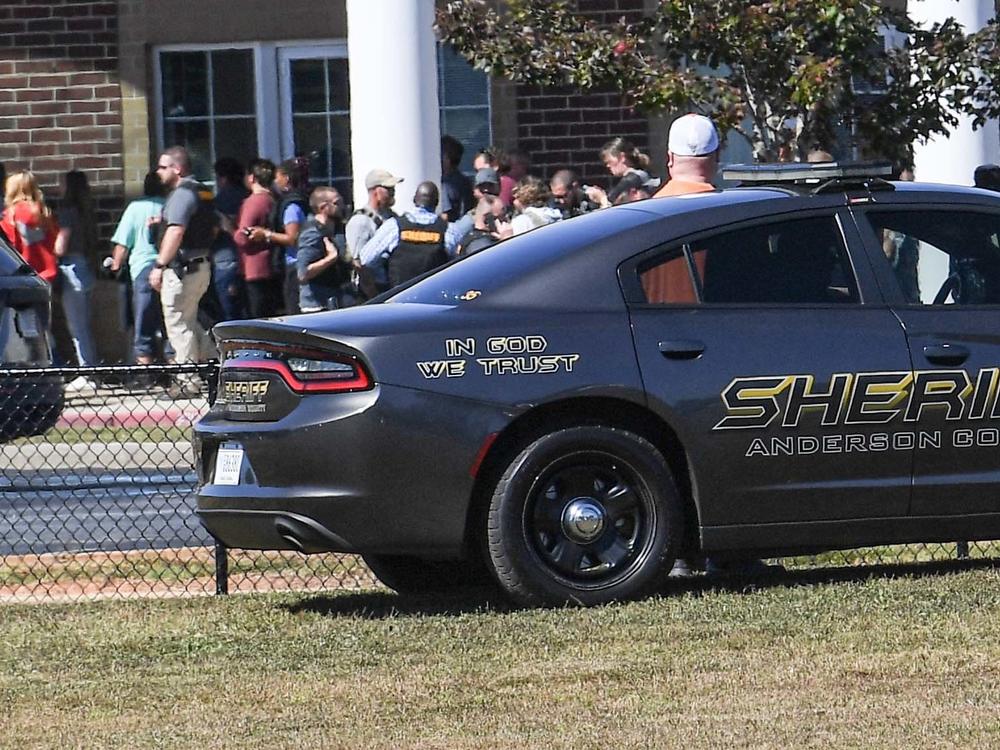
[
  {"x": 464, "y": 99},
  {"x": 281, "y": 101},
  {"x": 208, "y": 105}
]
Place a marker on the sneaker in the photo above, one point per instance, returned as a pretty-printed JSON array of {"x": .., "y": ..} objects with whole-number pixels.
[
  {"x": 79, "y": 384},
  {"x": 179, "y": 391}
]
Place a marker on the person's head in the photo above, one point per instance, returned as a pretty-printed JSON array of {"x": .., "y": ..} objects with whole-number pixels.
[
  {"x": 518, "y": 164},
  {"x": 563, "y": 185},
  {"x": 487, "y": 183},
  {"x": 818, "y": 156},
  {"x": 530, "y": 191},
  {"x": 292, "y": 174},
  {"x": 987, "y": 176},
  {"x": 228, "y": 171},
  {"x": 487, "y": 158},
  {"x": 261, "y": 173},
  {"x": 693, "y": 149},
  {"x": 488, "y": 210},
  {"x": 22, "y": 186},
  {"x": 906, "y": 174},
  {"x": 620, "y": 155},
  {"x": 326, "y": 203},
  {"x": 427, "y": 196},
  {"x": 152, "y": 187},
  {"x": 381, "y": 186},
  {"x": 451, "y": 153},
  {"x": 173, "y": 165}
]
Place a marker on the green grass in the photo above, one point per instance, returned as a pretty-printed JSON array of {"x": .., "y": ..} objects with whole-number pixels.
[{"x": 862, "y": 659}]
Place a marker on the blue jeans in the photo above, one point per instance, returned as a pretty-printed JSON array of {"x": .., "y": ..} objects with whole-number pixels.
[
  {"x": 148, "y": 318},
  {"x": 77, "y": 282},
  {"x": 228, "y": 283}
]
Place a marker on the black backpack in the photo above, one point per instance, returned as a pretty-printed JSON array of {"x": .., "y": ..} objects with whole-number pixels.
[{"x": 202, "y": 228}]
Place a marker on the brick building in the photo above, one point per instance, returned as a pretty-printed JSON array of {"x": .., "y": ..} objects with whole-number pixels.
[{"x": 102, "y": 86}]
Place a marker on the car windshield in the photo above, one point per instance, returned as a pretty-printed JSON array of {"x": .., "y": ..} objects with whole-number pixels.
[
  {"x": 10, "y": 262},
  {"x": 493, "y": 268}
]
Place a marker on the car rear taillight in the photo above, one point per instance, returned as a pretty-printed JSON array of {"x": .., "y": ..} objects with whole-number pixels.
[{"x": 303, "y": 370}]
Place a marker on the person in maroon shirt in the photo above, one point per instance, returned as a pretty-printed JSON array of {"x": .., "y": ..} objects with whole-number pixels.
[{"x": 263, "y": 284}]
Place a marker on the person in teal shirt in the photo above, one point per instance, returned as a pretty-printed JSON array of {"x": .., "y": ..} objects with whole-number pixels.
[{"x": 133, "y": 241}]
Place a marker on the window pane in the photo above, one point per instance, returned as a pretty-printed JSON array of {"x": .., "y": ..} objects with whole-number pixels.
[
  {"x": 340, "y": 135},
  {"x": 233, "y": 82},
  {"x": 791, "y": 262},
  {"x": 236, "y": 139},
  {"x": 194, "y": 136},
  {"x": 460, "y": 83},
  {"x": 941, "y": 257},
  {"x": 185, "y": 84},
  {"x": 340, "y": 89},
  {"x": 310, "y": 141},
  {"x": 308, "y": 81},
  {"x": 472, "y": 129}
]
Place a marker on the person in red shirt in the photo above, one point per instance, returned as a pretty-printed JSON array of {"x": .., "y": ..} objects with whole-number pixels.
[
  {"x": 262, "y": 275},
  {"x": 29, "y": 224}
]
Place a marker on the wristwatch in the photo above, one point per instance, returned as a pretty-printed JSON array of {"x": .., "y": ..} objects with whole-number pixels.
[{"x": 159, "y": 265}]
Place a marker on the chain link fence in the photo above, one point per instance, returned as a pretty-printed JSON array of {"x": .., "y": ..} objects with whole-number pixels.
[{"x": 97, "y": 496}]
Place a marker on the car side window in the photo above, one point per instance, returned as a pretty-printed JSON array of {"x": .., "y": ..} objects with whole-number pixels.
[
  {"x": 801, "y": 261},
  {"x": 942, "y": 257}
]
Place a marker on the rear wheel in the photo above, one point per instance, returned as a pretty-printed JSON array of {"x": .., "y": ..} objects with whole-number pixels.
[
  {"x": 416, "y": 575},
  {"x": 584, "y": 515}
]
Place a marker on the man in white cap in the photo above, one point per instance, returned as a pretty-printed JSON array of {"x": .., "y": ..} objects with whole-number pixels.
[
  {"x": 692, "y": 156},
  {"x": 381, "y": 186}
]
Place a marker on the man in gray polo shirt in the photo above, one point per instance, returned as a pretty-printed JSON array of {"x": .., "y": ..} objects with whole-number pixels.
[{"x": 182, "y": 272}]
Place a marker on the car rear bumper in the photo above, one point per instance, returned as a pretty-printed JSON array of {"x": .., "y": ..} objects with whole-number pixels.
[{"x": 386, "y": 470}]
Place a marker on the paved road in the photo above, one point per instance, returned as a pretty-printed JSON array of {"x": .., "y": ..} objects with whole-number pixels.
[{"x": 88, "y": 497}]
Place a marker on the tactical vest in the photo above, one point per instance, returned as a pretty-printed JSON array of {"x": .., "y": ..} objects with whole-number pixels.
[
  {"x": 421, "y": 248},
  {"x": 202, "y": 227}
]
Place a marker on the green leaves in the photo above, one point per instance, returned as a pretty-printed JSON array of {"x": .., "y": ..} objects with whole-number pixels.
[{"x": 787, "y": 75}]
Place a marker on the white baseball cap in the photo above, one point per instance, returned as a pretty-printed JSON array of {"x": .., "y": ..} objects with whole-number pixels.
[{"x": 693, "y": 135}]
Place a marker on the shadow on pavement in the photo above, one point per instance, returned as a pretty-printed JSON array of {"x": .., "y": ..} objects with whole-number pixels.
[{"x": 380, "y": 605}]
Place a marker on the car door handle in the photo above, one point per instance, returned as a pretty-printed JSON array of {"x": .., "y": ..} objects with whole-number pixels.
[
  {"x": 946, "y": 354},
  {"x": 682, "y": 349}
]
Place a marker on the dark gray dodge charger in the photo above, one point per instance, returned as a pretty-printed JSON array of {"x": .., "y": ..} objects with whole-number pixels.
[{"x": 810, "y": 361}]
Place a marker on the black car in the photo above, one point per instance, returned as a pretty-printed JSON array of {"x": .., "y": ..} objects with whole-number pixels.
[
  {"x": 812, "y": 362},
  {"x": 30, "y": 403}
]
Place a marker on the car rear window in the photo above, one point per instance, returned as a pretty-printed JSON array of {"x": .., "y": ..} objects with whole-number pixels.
[{"x": 504, "y": 263}]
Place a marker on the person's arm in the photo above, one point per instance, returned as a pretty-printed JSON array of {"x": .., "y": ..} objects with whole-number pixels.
[
  {"x": 177, "y": 212},
  {"x": 293, "y": 219},
  {"x": 452, "y": 236},
  {"x": 61, "y": 246},
  {"x": 118, "y": 258},
  {"x": 315, "y": 268},
  {"x": 386, "y": 237}
]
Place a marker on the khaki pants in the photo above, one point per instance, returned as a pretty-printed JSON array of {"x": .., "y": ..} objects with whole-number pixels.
[{"x": 180, "y": 299}]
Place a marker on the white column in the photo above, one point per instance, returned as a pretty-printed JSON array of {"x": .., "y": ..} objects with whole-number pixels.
[
  {"x": 394, "y": 98},
  {"x": 954, "y": 157}
]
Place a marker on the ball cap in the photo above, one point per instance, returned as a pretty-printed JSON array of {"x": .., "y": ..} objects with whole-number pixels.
[
  {"x": 693, "y": 135},
  {"x": 381, "y": 178},
  {"x": 487, "y": 176}
]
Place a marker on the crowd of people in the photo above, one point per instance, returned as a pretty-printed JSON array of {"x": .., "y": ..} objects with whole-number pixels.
[{"x": 264, "y": 241}]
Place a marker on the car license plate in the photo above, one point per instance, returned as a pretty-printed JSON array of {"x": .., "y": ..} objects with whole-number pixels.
[{"x": 228, "y": 465}]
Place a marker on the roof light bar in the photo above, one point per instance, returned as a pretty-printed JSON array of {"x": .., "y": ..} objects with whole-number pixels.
[{"x": 801, "y": 172}]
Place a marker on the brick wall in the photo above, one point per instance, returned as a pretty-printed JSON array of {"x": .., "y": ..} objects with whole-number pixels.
[
  {"x": 60, "y": 103},
  {"x": 561, "y": 127}
]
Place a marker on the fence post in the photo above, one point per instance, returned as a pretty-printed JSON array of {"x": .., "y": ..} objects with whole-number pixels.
[{"x": 221, "y": 569}]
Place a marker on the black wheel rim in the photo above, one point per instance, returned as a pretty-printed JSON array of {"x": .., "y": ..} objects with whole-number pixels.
[{"x": 589, "y": 519}]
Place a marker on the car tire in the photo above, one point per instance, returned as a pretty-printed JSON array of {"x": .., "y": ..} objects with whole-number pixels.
[
  {"x": 415, "y": 575},
  {"x": 584, "y": 515}
]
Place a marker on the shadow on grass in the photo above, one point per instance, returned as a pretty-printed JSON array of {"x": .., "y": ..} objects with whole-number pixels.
[
  {"x": 779, "y": 578},
  {"x": 378, "y": 605}
]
